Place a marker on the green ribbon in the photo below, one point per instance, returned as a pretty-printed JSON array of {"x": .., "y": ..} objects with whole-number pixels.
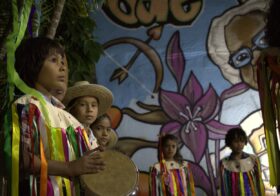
[
  {"x": 73, "y": 140},
  {"x": 8, "y": 148},
  {"x": 12, "y": 42},
  {"x": 269, "y": 111}
]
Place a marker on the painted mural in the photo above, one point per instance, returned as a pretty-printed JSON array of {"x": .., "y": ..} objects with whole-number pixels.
[{"x": 185, "y": 68}]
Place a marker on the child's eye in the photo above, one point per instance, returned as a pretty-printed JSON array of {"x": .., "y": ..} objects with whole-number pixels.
[
  {"x": 53, "y": 59},
  {"x": 98, "y": 128},
  {"x": 94, "y": 104}
]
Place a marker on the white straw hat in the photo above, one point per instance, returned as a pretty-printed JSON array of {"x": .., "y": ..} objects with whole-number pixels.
[{"x": 84, "y": 88}]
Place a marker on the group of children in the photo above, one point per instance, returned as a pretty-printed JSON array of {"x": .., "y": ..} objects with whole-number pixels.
[
  {"x": 51, "y": 146},
  {"x": 239, "y": 173}
]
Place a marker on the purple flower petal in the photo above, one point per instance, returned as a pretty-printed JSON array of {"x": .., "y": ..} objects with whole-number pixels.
[
  {"x": 209, "y": 105},
  {"x": 172, "y": 128},
  {"x": 175, "y": 58},
  {"x": 172, "y": 104},
  {"x": 196, "y": 141},
  {"x": 193, "y": 90},
  {"x": 218, "y": 130},
  {"x": 234, "y": 90},
  {"x": 201, "y": 179}
]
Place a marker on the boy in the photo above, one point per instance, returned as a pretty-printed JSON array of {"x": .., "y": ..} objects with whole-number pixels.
[
  {"x": 240, "y": 172},
  {"x": 46, "y": 140}
]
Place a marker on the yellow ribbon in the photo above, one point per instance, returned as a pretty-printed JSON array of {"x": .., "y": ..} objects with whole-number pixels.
[
  {"x": 191, "y": 180},
  {"x": 86, "y": 138},
  {"x": 57, "y": 132},
  {"x": 173, "y": 181},
  {"x": 260, "y": 176},
  {"x": 15, "y": 151},
  {"x": 241, "y": 183}
]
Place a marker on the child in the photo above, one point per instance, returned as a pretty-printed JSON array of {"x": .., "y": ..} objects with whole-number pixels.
[
  {"x": 240, "y": 172},
  {"x": 48, "y": 144},
  {"x": 106, "y": 137},
  {"x": 86, "y": 102},
  {"x": 172, "y": 175}
]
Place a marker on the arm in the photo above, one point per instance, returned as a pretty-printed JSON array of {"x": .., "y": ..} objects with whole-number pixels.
[
  {"x": 153, "y": 181},
  {"x": 259, "y": 175},
  {"x": 190, "y": 177},
  {"x": 89, "y": 163},
  {"x": 220, "y": 174}
]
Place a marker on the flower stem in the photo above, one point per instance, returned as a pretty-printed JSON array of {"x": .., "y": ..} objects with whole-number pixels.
[{"x": 210, "y": 171}]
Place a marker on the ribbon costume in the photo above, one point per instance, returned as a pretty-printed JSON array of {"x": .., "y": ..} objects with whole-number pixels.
[
  {"x": 61, "y": 139},
  {"x": 241, "y": 177},
  {"x": 172, "y": 176},
  {"x": 172, "y": 179}
]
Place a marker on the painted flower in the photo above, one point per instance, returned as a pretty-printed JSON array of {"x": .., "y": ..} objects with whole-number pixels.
[{"x": 192, "y": 115}]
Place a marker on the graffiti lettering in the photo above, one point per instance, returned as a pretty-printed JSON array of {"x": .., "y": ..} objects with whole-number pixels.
[{"x": 136, "y": 13}]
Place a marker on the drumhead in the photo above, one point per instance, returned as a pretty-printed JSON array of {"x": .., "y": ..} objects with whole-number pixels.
[{"x": 119, "y": 178}]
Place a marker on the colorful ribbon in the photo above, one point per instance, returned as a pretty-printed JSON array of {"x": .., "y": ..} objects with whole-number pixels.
[
  {"x": 15, "y": 152},
  {"x": 269, "y": 97}
]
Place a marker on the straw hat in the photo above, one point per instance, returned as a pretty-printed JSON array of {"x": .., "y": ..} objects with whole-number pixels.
[
  {"x": 113, "y": 139},
  {"x": 84, "y": 88}
]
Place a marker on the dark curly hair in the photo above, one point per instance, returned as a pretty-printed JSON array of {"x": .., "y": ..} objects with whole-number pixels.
[
  {"x": 30, "y": 56},
  {"x": 273, "y": 24},
  {"x": 235, "y": 133},
  {"x": 163, "y": 141}
]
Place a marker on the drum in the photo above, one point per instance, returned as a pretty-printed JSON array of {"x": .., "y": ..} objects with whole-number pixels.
[{"x": 119, "y": 178}]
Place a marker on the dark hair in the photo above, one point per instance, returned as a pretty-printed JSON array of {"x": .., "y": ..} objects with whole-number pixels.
[
  {"x": 273, "y": 24},
  {"x": 100, "y": 118},
  {"x": 31, "y": 54},
  {"x": 235, "y": 133},
  {"x": 163, "y": 141},
  {"x": 71, "y": 105}
]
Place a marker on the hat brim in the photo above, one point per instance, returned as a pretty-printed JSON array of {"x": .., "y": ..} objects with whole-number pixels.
[{"x": 101, "y": 93}]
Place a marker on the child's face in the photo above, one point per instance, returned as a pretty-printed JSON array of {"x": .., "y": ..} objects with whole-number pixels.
[
  {"x": 85, "y": 110},
  {"x": 169, "y": 150},
  {"x": 237, "y": 145},
  {"x": 60, "y": 92},
  {"x": 53, "y": 74},
  {"x": 101, "y": 131}
]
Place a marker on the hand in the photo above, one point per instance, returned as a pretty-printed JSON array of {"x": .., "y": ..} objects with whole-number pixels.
[
  {"x": 91, "y": 162},
  {"x": 32, "y": 167},
  {"x": 99, "y": 148}
]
